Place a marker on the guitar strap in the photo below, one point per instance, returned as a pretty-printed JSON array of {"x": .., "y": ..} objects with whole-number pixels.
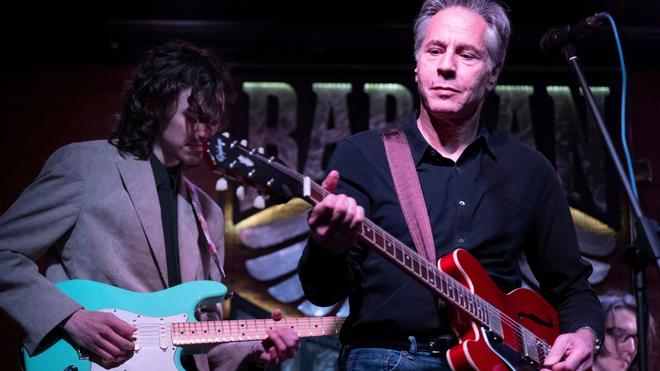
[
  {"x": 409, "y": 192},
  {"x": 202, "y": 223}
]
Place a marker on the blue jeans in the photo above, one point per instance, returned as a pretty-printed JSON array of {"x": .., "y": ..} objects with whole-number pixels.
[{"x": 382, "y": 359}]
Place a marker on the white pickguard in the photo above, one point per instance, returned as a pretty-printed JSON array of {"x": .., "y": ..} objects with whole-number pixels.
[{"x": 153, "y": 344}]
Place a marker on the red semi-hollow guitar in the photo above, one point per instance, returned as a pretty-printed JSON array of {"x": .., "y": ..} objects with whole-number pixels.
[{"x": 497, "y": 331}]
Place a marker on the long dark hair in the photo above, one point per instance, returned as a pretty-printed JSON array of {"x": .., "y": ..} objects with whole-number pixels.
[{"x": 150, "y": 98}]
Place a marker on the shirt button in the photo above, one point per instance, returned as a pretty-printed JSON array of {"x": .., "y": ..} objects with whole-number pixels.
[
  {"x": 460, "y": 240},
  {"x": 462, "y": 203}
]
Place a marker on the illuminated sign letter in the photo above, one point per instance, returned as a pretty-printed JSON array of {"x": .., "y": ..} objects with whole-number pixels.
[
  {"x": 331, "y": 124},
  {"x": 572, "y": 134},
  {"x": 277, "y": 134},
  {"x": 378, "y": 94},
  {"x": 514, "y": 106}
]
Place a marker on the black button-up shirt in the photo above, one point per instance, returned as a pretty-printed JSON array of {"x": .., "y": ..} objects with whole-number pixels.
[
  {"x": 498, "y": 200},
  {"x": 167, "y": 185}
]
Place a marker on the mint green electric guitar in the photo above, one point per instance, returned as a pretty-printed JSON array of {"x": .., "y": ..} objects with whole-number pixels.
[{"x": 166, "y": 326}]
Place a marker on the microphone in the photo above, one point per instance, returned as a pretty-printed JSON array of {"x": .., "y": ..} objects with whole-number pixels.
[{"x": 555, "y": 39}]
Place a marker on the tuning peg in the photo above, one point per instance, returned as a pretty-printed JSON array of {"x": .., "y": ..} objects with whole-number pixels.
[
  {"x": 221, "y": 185},
  {"x": 225, "y": 134},
  {"x": 261, "y": 150},
  {"x": 240, "y": 193},
  {"x": 259, "y": 202},
  {"x": 244, "y": 142}
]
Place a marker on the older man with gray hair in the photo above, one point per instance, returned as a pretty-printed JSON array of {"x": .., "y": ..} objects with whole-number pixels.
[{"x": 484, "y": 193}]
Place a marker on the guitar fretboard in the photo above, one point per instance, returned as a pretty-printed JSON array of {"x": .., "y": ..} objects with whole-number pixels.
[
  {"x": 391, "y": 248},
  {"x": 423, "y": 270},
  {"x": 214, "y": 332}
]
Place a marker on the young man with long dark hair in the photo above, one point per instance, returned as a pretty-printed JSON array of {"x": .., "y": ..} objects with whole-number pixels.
[{"x": 120, "y": 211}]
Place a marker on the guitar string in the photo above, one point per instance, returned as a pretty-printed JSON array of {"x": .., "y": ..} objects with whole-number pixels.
[
  {"x": 519, "y": 331},
  {"x": 459, "y": 289},
  {"x": 250, "y": 334},
  {"x": 304, "y": 324},
  {"x": 452, "y": 284},
  {"x": 513, "y": 325}
]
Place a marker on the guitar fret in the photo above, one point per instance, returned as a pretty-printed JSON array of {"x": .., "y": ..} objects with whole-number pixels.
[
  {"x": 415, "y": 266},
  {"x": 323, "y": 329},
  {"x": 398, "y": 253},
  {"x": 237, "y": 330},
  {"x": 229, "y": 331},
  {"x": 477, "y": 308},
  {"x": 257, "y": 333},
  {"x": 220, "y": 331},
  {"x": 309, "y": 326},
  {"x": 443, "y": 285},
  {"x": 213, "y": 332},
  {"x": 424, "y": 272},
  {"x": 242, "y": 329},
  {"x": 480, "y": 311},
  {"x": 458, "y": 294},
  {"x": 368, "y": 232},
  {"x": 406, "y": 260},
  {"x": 495, "y": 320},
  {"x": 484, "y": 312},
  {"x": 450, "y": 291},
  {"x": 379, "y": 240},
  {"x": 469, "y": 301},
  {"x": 203, "y": 330},
  {"x": 433, "y": 277}
]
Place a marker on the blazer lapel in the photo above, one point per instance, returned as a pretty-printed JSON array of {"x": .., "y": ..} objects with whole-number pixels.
[{"x": 138, "y": 179}]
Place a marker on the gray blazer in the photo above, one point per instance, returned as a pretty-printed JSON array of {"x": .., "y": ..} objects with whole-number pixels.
[{"x": 94, "y": 214}]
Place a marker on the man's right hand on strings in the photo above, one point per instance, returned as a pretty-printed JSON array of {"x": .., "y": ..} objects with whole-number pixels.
[{"x": 106, "y": 337}]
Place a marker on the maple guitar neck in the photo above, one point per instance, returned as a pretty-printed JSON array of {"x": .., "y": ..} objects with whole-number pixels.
[{"x": 214, "y": 332}]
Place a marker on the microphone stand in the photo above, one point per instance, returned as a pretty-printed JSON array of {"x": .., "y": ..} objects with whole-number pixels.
[{"x": 637, "y": 255}]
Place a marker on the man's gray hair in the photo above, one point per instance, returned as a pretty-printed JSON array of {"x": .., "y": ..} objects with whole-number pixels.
[{"x": 493, "y": 12}]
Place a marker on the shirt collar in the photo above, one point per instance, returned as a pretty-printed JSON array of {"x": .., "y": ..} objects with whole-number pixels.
[
  {"x": 486, "y": 137},
  {"x": 168, "y": 177},
  {"x": 419, "y": 145}
]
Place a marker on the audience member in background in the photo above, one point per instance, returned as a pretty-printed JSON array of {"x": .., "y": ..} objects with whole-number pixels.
[{"x": 619, "y": 350}]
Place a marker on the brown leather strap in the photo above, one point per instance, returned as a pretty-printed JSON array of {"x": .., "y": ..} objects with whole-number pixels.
[{"x": 409, "y": 192}]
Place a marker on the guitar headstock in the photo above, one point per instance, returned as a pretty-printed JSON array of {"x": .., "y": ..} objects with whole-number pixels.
[{"x": 251, "y": 167}]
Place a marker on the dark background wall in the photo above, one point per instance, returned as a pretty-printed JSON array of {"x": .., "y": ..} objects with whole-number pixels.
[{"x": 64, "y": 66}]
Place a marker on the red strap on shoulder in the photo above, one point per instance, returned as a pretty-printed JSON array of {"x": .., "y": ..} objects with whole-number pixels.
[{"x": 409, "y": 192}]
